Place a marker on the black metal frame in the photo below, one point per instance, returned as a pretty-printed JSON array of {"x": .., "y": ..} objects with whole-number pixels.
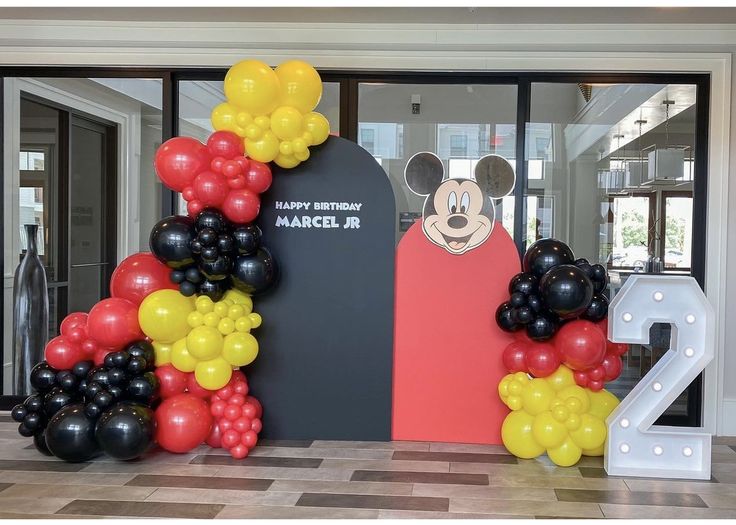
[{"x": 349, "y": 83}]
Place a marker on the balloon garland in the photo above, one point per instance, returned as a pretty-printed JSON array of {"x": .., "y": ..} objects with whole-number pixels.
[
  {"x": 560, "y": 359},
  {"x": 159, "y": 361}
]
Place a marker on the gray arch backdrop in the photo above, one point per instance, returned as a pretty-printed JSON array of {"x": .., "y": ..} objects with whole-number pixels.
[{"x": 326, "y": 344}]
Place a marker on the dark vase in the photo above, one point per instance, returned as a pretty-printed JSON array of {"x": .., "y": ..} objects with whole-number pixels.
[{"x": 30, "y": 315}]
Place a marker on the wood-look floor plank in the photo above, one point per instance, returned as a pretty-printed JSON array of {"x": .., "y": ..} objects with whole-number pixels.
[
  {"x": 716, "y": 501},
  {"x": 260, "y": 512},
  {"x": 223, "y": 496},
  {"x": 321, "y": 453},
  {"x": 487, "y": 492},
  {"x": 374, "y": 445},
  {"x": 541, "y": 481},
  {"x": 626, "y": 497},
  {"x": 254, "y": 461},
  {"x": 41, "y": 491},
  {"x": 64, "y": 478},
  {"x": 201, "y": 482},
  {"x": 326, "y": 474},
  {"x": 362, "y": 501},
  {"x": 419, "y": 477},
  {"x": 431, "y": 515},
  {"x": 657, "y": 512},
  {"x": 464, "y": 457},
  {"x": 343, "y": 487},
  {"x": 298, "y": 443},
  {"x": 468, "y": 447},
  {"x": 527, "y": 468},
  {"x": 122, "y": 467},
  {"x": 45, "y": 465},
  {"x": 33, "y": 505},
  {"x": 142, "y": 509},
  {"x": 682, "y": 486},
  {"x": 526, "y": 507},
  {"x": 386, "y": 464}
]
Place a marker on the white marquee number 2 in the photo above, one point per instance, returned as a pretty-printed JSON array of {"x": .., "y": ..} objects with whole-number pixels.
[{"x": 635, "y": 446}]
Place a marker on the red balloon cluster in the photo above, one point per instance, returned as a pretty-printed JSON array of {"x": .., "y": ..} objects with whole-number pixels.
[
  {"x": 73, "y": 345},
  {"x": 237, "y": 418},
  {"x": 214, "y": 175},
  {"x": 525, "y": 355},
  {"x": 607, "y": 368},
  {"x": 173, "y": 382},
  {"x": 182, "y": 422}
]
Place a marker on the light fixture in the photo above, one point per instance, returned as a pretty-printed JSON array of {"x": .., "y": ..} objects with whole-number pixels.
[
  {"x": 613, "y": 177},
  {"x": 666, "y": 165},
  {"x": 586, "y": 90},
  {"x": 635, "y": 169}
]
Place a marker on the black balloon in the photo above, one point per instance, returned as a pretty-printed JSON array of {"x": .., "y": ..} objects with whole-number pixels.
[
  {"x": 82, "y": 368},
  {"x": 67, "y": 381},
  {"x": 218, "y": 269},
  {"x": 534, "y": 303},
  {"x": 545, "y": 254},
  {"x": 142, "y": 349},
  {"x": 523, "y": 315},
  {"x": 517, "y": 299},
  {"x": 210, "y": 218},
  {"x": 70, "y": 435},
  {"x": 56, "y": 400},
  {"x": 24, "y": 431},
  {"x": 599, "y": 278},
  {"x": 125, "y": 431},
  {"x": 566, "y": 291},
  {"x": 215, "y": 290},
  {"x": 187, "y": 289},
  {"x": 43, "y": 377},
  {"x": 193, "y": 275},
  {"x": 541, "y": 328},
  {"x": 19, "y": 413},
  {"x": 247, "y": 239},
  {"x": 34, "y": 421},
  {"x": 505, "y": 318},
  {"x": 177, "y": 276},
  {"x": 33, "y": 403},
  {"x": 143, "y": 389},
  {"x": 524, "y": 283},
  {"x": 598, "y": 308},
  {"x": 39, "y": 441},
  {"x": 255, "y": 274},
  {"x": 170, "y": 240}
]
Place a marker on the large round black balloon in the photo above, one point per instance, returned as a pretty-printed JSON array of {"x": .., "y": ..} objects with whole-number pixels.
[
  {"x": 545, "y": 254},
  {"x": 125, "y": 431},
  {"x": 506, "y": 319},
  {"x": 524, "y": 283},
  {"x": 210, "y": 218},
  {"x": 566, "y": 291},
  {"x": 255, "y": 274},
  {"x": 55, "y": 400},
  {"x": 597, "y": 310},
  {"x": 43, "y": 377},
  {"x": 70, "y": 435},
  {"x": 39, "y": 440},
  {"x": 247, "y": 239},
  {"x": 170, "y": 240},
  {"x": 541, "y": 328}
]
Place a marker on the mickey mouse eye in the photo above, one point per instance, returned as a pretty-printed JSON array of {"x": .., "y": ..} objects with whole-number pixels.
[
  {"x": 464, "y": 202},
  {"x": 452, "y": 202}
]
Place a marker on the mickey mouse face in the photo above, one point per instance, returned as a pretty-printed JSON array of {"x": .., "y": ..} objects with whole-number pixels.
[{"x": 458, "y": 213}]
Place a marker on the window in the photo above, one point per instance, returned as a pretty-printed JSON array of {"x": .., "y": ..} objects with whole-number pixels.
[
  {"x": 458, "y": 145},
  {"x": 677, "y": 220},
  {"x": 632, "y": 239},
  {"x": 368, "y": 139}
]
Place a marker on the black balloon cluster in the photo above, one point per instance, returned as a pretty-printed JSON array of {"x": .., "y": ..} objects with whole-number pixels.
[
  {"x": 209, "y": 255},
  {"x": 76, "y": 414},
  {"x": 553, "y": 288}
]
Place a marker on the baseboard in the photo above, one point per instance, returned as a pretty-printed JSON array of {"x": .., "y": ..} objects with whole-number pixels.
[{"x": 728, "y": 423}]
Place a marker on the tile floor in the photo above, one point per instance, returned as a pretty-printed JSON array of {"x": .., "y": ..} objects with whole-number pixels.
[{"x": 348, "y": 479}]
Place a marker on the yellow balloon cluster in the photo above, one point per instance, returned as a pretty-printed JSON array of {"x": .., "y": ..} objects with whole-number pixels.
[
  {"x": 272, "y": 110},
  {"x": 216, "y": 340},
  {"x": 555, "y": 415}
]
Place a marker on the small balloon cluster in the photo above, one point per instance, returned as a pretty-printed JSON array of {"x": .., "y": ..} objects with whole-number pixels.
[
  {"x": 559, "y": 301},
  {"x": 209, "y": 255},
  {"x": 80, "y": 412},
  {"x": 272, "y": 110},
  {"x": 554, "y": 415},
  {"x": 237, "y": 418},
  {"x": 553, "y": 289}
]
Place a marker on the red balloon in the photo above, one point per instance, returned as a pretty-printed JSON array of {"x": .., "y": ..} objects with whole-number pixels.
[
  {"x": 258, "y": 177},
  {"x": 256, "y": 425},
  {"x": 211, "y": 188},
  {"x": 62, "y": 353},
  {"x": 73, "y": 320},
  {"x": 513, "y": 357},
  {"x": 232, "y": 412},
  {"x": 581, "y": 378},
  {"x": 249, "y": 410},
  {"x": 194, "y": 207},
  {"x": 138, "y": 276},
  {"x": 230, "y": 438},
  {"x": 612, "y": 366},
  {"x": 237, "y": 399},
  {"x": 113, "y": 322},
  {"x": 172, "y": 381},
  {"x": 215, "y": 438},
  {"x": 89, "y": 347},
  {"x": 241, "y": 206},
  {"x": 217, "y": 408},
  {"x": 239, "y": 451},
  {"x": 249, "y": 439},
  {"x": 581, "y": 344},
  {"x": 242, "y": 424},
  {"x": 182, "y": 423},
  {"x": 195, "y": 389},
  {"x": 225, "y": 144},
  {"x": 595, "y": 386},
  {"x": 250, "y": 400},
  {"x": 77, "y": 334},
  {"x": 225, "y": 392},
  {"x": 237, "y": 377},
  {"x": 597, "y": 373},
  {"x": 179, "y": 160},
  {"x": 616, "y": 348},
  {"x": 541, "y": 359}
]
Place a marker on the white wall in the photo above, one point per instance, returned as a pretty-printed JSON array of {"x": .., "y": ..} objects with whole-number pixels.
[{"x": 443, "y": 45}]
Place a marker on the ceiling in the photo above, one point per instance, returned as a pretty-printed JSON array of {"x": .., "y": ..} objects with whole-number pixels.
[{"x": 387, "y": 15}]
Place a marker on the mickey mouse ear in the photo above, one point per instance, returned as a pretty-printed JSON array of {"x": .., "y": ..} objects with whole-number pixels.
[
  {"x": 424, "y": 173},
  {"x": 495, "y": 176}
]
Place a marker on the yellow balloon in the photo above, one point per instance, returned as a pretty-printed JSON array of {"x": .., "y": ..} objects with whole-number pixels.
[
  {"x": 243, "y": 324},
  {"x": 318, "y": 126},
  {"x": 576, "y": 398},
  {"x": 602, "y": 404},
  {"x": 264, "y": 149},
  {"x": 286, "y": 161},
  {"x": 301, "y": 86},
  {"x": 213, "y": 373},
  {"x": 181, "y": 358},
  {"x": 591, "y": 433},
  {"x": 226, "y": 326},
  {"x": 301, "y": 156},
  {"x": 241, "y": 298},
  {"x": 594, "y": 451},
  {"x": 240, "y": 349},
  {"x": 252, "y": 86},
  {"x": 516, "y": 433},
  {"x": 560, "y": 378},
  {"x": 547, "y": 431},
  {"x": 255, "y": 320},
  {"x": 286, "y": 122},
  {"x": 225, "y": 118},
  {"x": 163, "y": 315},
  {"x": 235, "y": 312},
  {"x": 162, "y": 352},
  {"x": 204, "y": 304},
  {"x": 204, "y": 342},
  {"x": 566, "y": 455},
  {"x": 536, "y": 396}
]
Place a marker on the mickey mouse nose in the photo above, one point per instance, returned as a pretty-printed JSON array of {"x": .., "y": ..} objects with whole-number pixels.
[{"x": 457, "y": 221}]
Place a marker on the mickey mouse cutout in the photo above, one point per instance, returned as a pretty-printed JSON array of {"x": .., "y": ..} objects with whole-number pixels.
[{"x": 458, "y": 213}]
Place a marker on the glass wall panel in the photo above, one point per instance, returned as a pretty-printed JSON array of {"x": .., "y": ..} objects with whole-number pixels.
[
  {"x": 614, "y": 167},
  {"x": 460, "y": 123}
]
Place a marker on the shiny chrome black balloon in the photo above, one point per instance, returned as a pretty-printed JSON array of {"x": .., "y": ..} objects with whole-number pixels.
[
  {"x": 70, "y": 434},
  {"x": 566, "y": 291},
  {"x": 170, "y": 239},
  {"x": 546, "y": 254}
]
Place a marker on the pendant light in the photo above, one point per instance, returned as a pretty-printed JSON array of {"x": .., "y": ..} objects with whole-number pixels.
[
  {"x": 666, "y": 166},
  {"x": 635, "y": 168}
]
